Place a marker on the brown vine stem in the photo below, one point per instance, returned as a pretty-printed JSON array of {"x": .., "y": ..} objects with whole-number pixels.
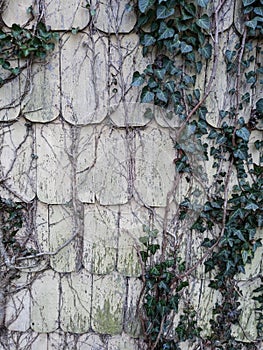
[
  {"x": 210, "y": 250},
  {"x": 214, "y": 69},
  {"x": 159, "y": 334}
]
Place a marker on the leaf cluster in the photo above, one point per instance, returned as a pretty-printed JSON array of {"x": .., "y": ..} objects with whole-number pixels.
[
  {"x": 162, "y": 294},
  {"x": 20, "y": 43}
]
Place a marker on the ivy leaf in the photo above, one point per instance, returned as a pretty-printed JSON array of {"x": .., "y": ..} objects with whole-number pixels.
[
  {"x": 251, "y": 206},
  {"x": 144, "y": 5},
  {"x": 252, "y": 24},
  {"x": 162, "y": 95},
  {"x": 206, "y": 51},
  {"x": 204, "y": 22},
  {"x": 165, "y": 32},
  {"x": 202, "y": 3},
  {"x": 239, "y": 213},
  {"x": 148, "y": 40},
  {"x": 160, "y": 73},
  {"x": 146, "y": 96},
  {"x": 164, "y": 12},
  {"x": 239, "y": 234},
  {"x": 137, "y": 79},
  {"x": 258, "y": 11},
  {"x": 243, "y": 133},
  {"x": 148, "y": 114},
  {"x": 170, "y": 85},
  {"x": 186, "y": 48},
  {"x": 240, "y": 154},
  {"x": 248, "y": 2}
]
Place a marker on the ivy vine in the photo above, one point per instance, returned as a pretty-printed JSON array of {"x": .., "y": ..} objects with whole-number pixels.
[
  {"x": 19, "y": 46},
  {"x": 185, "y": 36}
]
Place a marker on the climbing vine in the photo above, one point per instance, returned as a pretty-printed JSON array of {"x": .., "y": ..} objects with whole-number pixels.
[
  {"x": 186, "y": 38},
  {"x": 20, "y": 46}
]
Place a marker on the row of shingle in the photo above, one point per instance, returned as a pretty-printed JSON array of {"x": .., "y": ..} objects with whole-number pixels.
[
  {"x": 108, "y": 16},
  {"x": 59, "y": 340},
  {"x": 113, "y": 16},
  {"x": 80, "y": 303},
  {"x": 107, "y": 164},
  {"x": 56, "y": 162},
  {"x": 88, "y": 78},
  {"x": 76, "y": 303}
]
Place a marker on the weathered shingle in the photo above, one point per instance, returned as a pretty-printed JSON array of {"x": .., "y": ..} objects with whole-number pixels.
[
  {"x": 112, "y": 168},
  {"x": 84, "y": 78},
  {"x": 42, "y": 101},
  {"x": 17, "y": 159},
  {"x": 15, "y": 11},
  {"x": 75, "y": 313},
  {"x": 113, "y": 16},
  {"x": 107, "y": 303},
  {"x": 53, "y": 166},
  {"x": 65, "y": 15},
  {"x": 100, "y": 238},
  {"x": 45, "y": 302},
  {"x": 155, "y": 169},
  {"x": 63, "y": 231}
]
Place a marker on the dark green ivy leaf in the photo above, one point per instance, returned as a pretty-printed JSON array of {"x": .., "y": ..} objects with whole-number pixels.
[
  {"x": 259, "y": 106},
  {"x": 144, "y": 5},
  {"x": 164, "y": 12},
  {"x": 165, "y": 32},
  {"x": 243, "y": 133},
  {"x": 137, "y": 79},
  {"x": 186, "y": 48},
  {"x": 146, "y": 96},
  {"x": 259, "y": 11},
  {"x": 248, "y": 2},
  {"x": 206, "y": 51},
  {"x": 251, "y": 206},
  {"x": 148, "y": 40},
  {"x": 202, "y": 3},
  {"x": 204, "y": 22},
  {"x": 162, "y": 95},
  {"x": 252, "y": 24}
]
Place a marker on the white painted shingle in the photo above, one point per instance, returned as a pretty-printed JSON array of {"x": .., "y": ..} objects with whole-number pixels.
[
  {"x": 84, "y": 78},
  {"x": 45, "y": 302},
  {"x": 107, "y": 303},
  {"x": 53, "y": 165},
  {"x": 65, "y": 15},
  {"x": 76, "y": 302},
  {"x": 100, "y": 238}
]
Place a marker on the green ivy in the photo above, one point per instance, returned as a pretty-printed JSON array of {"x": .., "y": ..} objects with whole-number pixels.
[
  {"x": 20, "y": 44},
  {"x": 180, "y": 31}
]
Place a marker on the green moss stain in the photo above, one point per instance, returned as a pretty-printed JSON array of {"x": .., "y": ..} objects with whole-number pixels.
[{"x": 108, "y": 321}]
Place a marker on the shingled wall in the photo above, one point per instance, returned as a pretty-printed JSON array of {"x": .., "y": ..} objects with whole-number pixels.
[{"x": 93, "y": 170}]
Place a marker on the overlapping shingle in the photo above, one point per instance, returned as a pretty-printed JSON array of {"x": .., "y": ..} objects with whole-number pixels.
[
  {"x": 16, "y": 11},
  {"x": 65, "y": 15},
  {"x": 75, "y": 312},
  {"x": 53, "y": 143},
  {"x": 42, "y": 101},
  {"x": 114, "y": 16},
  {"x": 100, "y": 239},
  {"x": 45, "y": 302},
  {"x": 84, "y": 78},
  {"x": 155, "y": 168},
  {"x": 63, "y": 231},
  {"x": 18, "y": 160},
  {"x": 108, "y": 303}
]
